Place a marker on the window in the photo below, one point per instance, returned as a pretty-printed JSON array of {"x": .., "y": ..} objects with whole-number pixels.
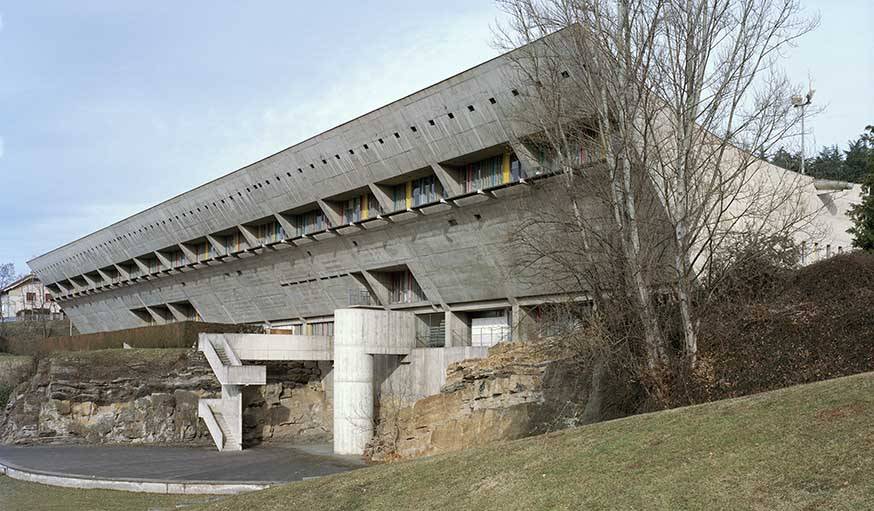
[
  {"x": 360, "y": 208},
  {"x": 178, "y": 259},
  {"x": 326, "y": 328},
  {"x": 271, "y": 232},
  {"x": 403, "y": 288},
  {"x": 491, "y": 172},
  {"x": 49, "y": 298},
  {"x": 204, "y": 251},
  {"x": 418, "y": 192},
  {"x": 30, "y": 297},
  {"x": 154, "y": 265},
  {"x": 307, "y": 223},
  {"x": 577, "y": 155},
  {"x": 234, "y": 242}
]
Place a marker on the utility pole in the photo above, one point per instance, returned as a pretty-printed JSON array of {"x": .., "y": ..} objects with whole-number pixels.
[{"x": 801, "y": 102}]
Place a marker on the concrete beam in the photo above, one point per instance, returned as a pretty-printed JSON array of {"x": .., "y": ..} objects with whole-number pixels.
[
  {"x": 219, "y": 248},
  {"x": 448, "y": 178},
  {"x": 144, "y": 269},
  {"x": 332, "y": 213},
  {"x": 189, "y": 254},
  {"x": 530, "y": 163},
  {"x": 176, "y": 312},
  {"x": 278, "y": 347},
  {"x": 382, "y": 197},
  {"x": 253, "y": 240},
  {"x": 287, "y": 226},
  {"x": 122, "y": 272},
  {"x": 168, "y": 265}
]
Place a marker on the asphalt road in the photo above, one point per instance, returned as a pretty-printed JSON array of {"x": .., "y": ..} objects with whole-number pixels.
[{"x": 262, "y": 464}]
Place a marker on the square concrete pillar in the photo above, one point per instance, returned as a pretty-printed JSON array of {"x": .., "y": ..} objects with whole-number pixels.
[
  {"x": 457, "y": 329},
  {"x": 524, "y": 325},
  {"x": 359, "y": 334}
]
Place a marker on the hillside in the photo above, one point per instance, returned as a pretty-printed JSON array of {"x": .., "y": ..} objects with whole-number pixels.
[{"x": 803, "y": 447}]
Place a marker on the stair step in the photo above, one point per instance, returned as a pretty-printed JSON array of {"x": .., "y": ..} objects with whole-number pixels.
[
  {"x": 223, "y": 425},
  {"x": 220, "y": 351}
]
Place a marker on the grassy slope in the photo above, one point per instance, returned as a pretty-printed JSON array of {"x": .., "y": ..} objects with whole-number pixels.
[
  {"x": 804, "y": 447},
  {"x": 22, "y": 496}
]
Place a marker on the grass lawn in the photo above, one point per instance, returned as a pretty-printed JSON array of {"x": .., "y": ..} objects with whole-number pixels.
[
  {"x": 809, "y": 447},
  {"x": 22, "y": 496}
]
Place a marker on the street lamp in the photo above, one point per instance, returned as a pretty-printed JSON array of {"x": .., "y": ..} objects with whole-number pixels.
[{"x": 801, "y": 102}]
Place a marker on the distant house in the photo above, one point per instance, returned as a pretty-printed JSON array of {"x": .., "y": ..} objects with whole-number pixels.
[{"x": 27, "y": 298}]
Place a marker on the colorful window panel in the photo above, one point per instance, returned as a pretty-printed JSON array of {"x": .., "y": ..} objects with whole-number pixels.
[
  {"x": 270, "y": 232},
  {"x": 307, "y": 223},
  {"x": 417, "y": 192},
  {"x": 360, "y": 208},
  {"x": 492, "y": 172}
]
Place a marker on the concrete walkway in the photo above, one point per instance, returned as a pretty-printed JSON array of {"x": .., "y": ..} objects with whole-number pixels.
[{"x": 172, "y": 467}]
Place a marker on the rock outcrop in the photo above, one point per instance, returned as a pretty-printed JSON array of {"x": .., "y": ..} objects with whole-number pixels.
[
  {"x": 14, "y": 369},
  {"x": 518, "y": 390},
  {"x": 111, "y": 396},
  {"x": 292, "y": 407},
  {"x": 150, "y": 396}
]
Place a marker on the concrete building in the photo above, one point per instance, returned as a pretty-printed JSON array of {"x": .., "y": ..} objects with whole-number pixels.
[
  {"x": 27, "y": 298},
  {"x": 397, "y": 224}
]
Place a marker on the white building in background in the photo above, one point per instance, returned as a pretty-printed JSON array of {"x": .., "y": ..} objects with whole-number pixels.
[{"x": 28, "y": 298}]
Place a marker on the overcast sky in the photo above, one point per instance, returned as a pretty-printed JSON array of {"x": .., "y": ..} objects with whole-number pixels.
[{"x": 107, "y": 108}]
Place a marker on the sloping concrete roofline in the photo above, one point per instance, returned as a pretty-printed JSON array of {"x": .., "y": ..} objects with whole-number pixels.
[{"x": 306, "y": 140}]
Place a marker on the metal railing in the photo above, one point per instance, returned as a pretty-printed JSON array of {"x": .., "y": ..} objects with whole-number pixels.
[{"x": 361, "y": 297}]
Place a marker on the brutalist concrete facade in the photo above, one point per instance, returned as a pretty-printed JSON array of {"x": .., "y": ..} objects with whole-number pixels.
[{"x": 149, "y": 268}]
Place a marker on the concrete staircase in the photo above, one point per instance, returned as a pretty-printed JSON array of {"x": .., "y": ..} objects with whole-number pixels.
[{"x": 224, "y": 416}]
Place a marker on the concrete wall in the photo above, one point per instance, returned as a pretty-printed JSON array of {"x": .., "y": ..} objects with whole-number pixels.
[{"x": 421, "y": 373}]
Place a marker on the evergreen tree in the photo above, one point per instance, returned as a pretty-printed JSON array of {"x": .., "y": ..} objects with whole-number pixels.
[
  {"x": 787, "y": 160},
  {"x": 856, "y": 162},
  {"x": 863, "y": 213},
  {"x": 828, "y": 164}
]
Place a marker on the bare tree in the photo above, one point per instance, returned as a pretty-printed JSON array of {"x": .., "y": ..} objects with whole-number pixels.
[
  {"x": 653, "y": 110},
  {"x": 7, "y": 274}
]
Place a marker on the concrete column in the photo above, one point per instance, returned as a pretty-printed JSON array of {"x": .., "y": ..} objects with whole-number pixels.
[
  {"x": 359, "y": 334},
  {"x": 457, "y": 329},
  {"x": 524, "y": 326},
  {"x": 353, "y": 398}
]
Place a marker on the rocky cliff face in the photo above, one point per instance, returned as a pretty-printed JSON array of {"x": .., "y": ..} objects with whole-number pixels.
[
  {"x": 111, "y": 396},
  {"x": 518, "y": 390},
  {"x": 150, "y": 396},
  {"x": 292, "y": 407},
  {"x": 14, "y": 369}
]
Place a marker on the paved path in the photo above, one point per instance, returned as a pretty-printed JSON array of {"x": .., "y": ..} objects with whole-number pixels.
[{"x": 263, "y": 464}]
